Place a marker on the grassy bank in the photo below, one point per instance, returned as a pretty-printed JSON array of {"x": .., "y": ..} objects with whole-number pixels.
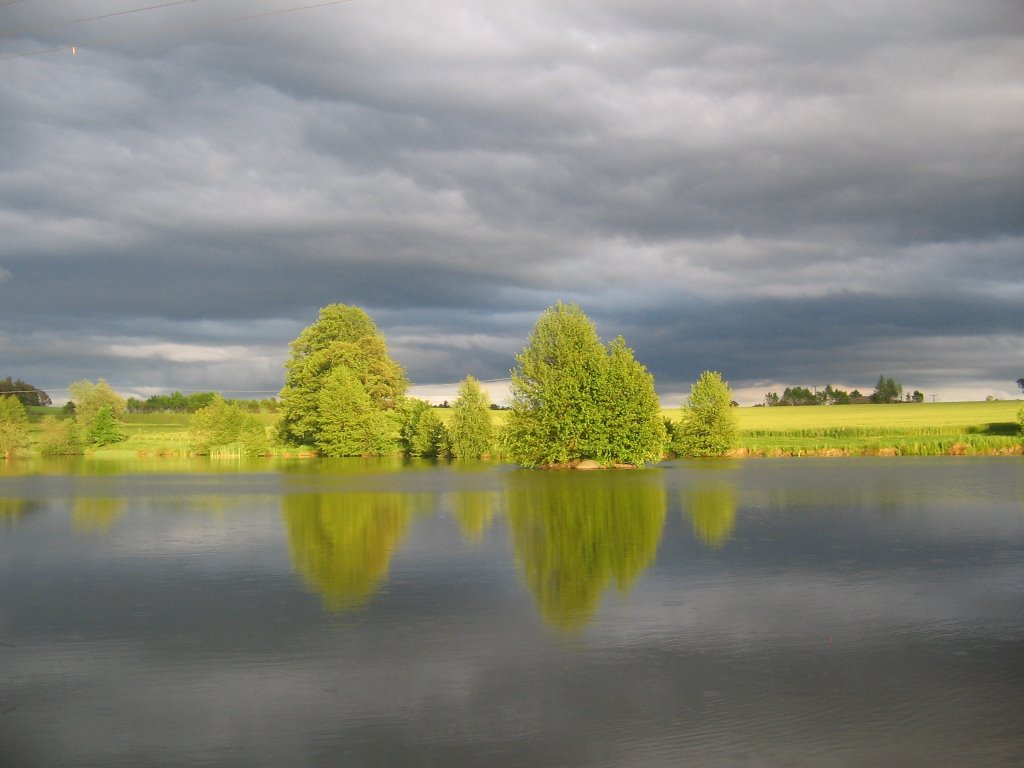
[{"x": 918, "y": 429}]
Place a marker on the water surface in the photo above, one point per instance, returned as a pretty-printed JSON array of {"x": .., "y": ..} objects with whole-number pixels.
[{"x": 760, "y": 613}]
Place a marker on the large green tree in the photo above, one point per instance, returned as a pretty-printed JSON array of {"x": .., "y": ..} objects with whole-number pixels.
[
  {"x": 346, "y": 339},
  {"x": 470, "y": 428},
  {"x": 575, "y": 399},
  {"x": 13, "y": 426},
  {"x": 708, "y": 426}
]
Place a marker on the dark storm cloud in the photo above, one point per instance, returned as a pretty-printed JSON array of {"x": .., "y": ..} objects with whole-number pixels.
[{"x": 791, "y": 192}]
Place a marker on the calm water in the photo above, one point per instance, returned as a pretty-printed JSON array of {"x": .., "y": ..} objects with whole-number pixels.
[{"x": 758, "y": 613}]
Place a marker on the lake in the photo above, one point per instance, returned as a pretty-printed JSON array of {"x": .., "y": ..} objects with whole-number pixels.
[{"x": 809, "y": 612}]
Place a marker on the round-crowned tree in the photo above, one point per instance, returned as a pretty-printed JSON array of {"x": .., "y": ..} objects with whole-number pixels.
[
  {"x": 708, "y": 426},
  {"x": 575, "y": 399},
  {"x": 344, "y": 339}
]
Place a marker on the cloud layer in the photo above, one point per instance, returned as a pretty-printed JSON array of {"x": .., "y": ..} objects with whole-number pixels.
[{"x": 790, "y": 192}]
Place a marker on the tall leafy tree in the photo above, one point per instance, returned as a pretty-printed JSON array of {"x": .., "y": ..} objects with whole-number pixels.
[
  {"x": 13, "y": 426},
  {"x": 570, "y": 401},
  {"x": 708, "y": 425},
  {"x": 346, "y": 338},
  {"x": 470, "y": 428}
]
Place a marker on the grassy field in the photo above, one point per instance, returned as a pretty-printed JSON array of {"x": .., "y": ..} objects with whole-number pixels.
[
  {"x": 919, "y": 429},
  {"x": 898, "y": 429}
]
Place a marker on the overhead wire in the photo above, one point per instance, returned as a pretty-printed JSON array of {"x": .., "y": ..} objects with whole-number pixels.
[
  {"x": 191, "y": 27},
  {"x": 68, "y": 22}
]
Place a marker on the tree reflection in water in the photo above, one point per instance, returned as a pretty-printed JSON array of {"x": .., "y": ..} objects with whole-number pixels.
[
  {"x": 96, "y": 514},
  {"x": 474, "y": 511},
  {"x": 710, "y": 502},
  {"x": 342, "y": 543},
  {"x": 574, "y": 533}
]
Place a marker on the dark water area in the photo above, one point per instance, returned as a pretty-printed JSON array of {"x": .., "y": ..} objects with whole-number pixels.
[{"x": 833, "y": 612}]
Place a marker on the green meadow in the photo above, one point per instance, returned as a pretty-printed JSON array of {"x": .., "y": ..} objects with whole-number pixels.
[
  {"x": 904, "y": 429},
  {"x": 918, "y": 429}
]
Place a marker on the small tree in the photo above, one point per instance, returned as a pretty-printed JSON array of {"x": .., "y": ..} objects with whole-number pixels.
[
  {"x": 13, "y": 426},
  {"x": 708, "y": 425},
  {"x": 104, "y": 429},
  {"x": 422, "y": 433},
  {"x": 470, "y": 429}
]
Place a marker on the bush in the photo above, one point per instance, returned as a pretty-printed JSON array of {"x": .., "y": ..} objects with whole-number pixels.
[
  {"x": 222, "y": 424},
  {"x": 60, "y": 437}
]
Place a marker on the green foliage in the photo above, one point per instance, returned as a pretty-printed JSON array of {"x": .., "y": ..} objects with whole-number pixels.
[
  {"x": 89, "y": 400},
  {"x": 708, "y": 425},
  {"x": 470, "y": 429},
  {"x": 1020, "y": 420},
  {"x": 342, "y": 338},
  {"x": 573, "y": 398},
  {"x": 222, "y": 424},
  {"x": 631, "y": 430},
  {"x": 59, "y": 437},
  {"x": 24, "y": 392},
  {"x": 104, "y": 429},
  {"x": 13, "y": 426},
  {"x": 349, "y": 422},
  {"x": 422, "y": 433}
]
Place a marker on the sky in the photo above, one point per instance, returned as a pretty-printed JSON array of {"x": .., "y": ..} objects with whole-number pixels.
[{"x": 794, "y": 193}]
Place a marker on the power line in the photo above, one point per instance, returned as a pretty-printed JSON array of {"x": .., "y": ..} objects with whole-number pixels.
[
  {"x": 69, "y": 22},
  {"x": 200, "y": 25}
]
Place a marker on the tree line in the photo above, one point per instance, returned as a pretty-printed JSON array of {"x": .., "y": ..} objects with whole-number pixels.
[{"x": 887, "y": 390}]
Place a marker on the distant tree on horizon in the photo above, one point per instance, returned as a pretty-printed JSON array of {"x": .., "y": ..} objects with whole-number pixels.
[{"x": 24, "y": 392}]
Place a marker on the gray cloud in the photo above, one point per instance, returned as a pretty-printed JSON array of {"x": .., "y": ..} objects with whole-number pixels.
[{"x": 789, "y": 192}]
